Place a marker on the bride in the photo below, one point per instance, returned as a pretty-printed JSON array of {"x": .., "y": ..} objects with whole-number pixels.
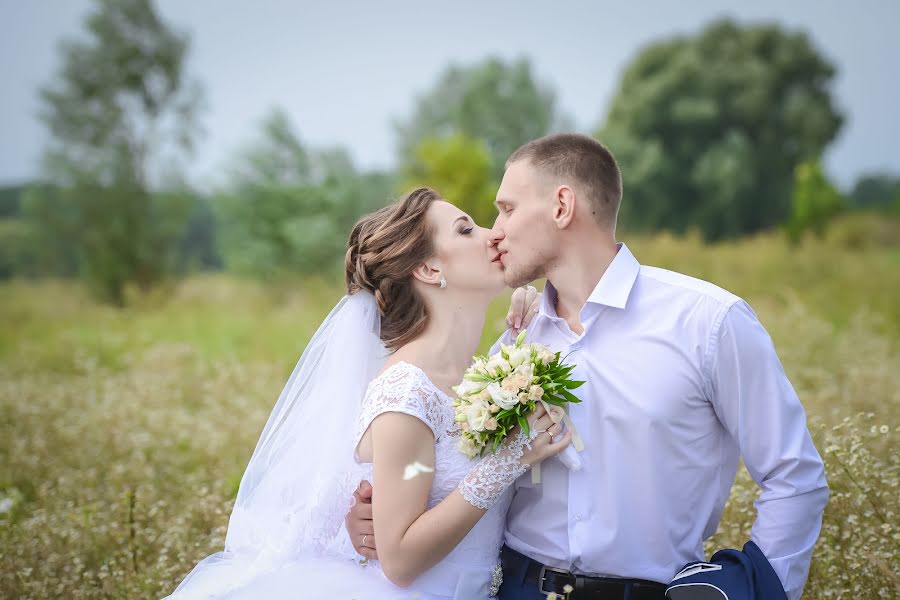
[{"x": 371, "y": 399}]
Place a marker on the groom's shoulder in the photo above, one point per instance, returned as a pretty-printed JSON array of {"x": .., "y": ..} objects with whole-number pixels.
[{"x": 687, "y": 286}]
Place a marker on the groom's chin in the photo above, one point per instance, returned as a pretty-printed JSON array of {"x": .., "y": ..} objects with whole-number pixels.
[{"x": 513, "y": 281}]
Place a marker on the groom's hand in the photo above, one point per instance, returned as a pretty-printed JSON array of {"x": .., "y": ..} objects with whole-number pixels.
[
  {"x": 359, "y": 522},
  {"x": 523, "y": 306}
]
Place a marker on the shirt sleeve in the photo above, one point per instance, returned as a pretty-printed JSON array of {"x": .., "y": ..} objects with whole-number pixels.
[{"x": 758, "y": 406}]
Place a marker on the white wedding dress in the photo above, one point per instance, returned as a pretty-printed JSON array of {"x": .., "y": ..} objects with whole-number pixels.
[{"x": 470, "y": 572}]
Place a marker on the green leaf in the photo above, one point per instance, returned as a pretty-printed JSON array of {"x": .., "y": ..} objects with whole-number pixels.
[
  {"x": 523, "y": 423},
  {"x": 570, "y": 397}
]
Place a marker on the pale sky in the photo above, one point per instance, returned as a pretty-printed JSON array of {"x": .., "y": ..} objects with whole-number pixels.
[{"x": 343, "y": 69}]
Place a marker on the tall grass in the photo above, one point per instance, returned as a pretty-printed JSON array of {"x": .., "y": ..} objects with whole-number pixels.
[{"x": 124, "y": 433}]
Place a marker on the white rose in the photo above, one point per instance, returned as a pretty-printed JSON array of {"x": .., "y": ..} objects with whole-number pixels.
[
  {"x": 497, "y": 365},
  {"x": 547, "y": 357},
  {"x": 467, "y": 447},
  {"x": 470, "y": 387},
  {"x": 503, "y": 399},
  {"x": 519, "y": 356},
  {"x": 523, "y": 374},
  {"x": 477, "y": 415}
]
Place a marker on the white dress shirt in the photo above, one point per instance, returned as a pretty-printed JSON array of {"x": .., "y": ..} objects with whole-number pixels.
[{"x": 682, "y": 381}]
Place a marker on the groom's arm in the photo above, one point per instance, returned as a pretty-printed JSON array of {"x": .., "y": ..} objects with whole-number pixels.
[{"x": 758, "y": 406}]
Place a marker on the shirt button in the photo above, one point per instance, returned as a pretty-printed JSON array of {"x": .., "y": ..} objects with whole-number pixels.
[{"x": 577, "y": 517}]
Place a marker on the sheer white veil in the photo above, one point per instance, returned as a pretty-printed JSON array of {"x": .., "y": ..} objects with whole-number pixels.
[{"x": 299, "y": 483}]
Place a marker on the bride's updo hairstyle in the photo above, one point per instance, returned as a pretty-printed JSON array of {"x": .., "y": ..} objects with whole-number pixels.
[{"x": 383, "y": 251}]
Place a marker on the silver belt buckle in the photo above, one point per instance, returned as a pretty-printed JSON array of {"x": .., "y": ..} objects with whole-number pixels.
[{"x": 544, "y": 570}]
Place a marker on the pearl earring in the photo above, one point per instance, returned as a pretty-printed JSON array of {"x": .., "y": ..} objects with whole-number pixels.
[{"x": 443, "y": 283}]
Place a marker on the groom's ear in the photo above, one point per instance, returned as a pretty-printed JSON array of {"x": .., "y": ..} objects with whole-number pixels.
[
  {"x": 564, "y": 206},
  {"x": 429, "y": 273}
]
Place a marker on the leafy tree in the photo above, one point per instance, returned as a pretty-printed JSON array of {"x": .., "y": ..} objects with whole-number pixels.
[
  {"x": 497, "y": 102},
  {"x": 709, "y": 129},
  {"x": 878, "y": 191},
  {"x": 121, "y": 113},
  {"x": 289, "y": 209},
  {"x": 459, "y": 168},
  {"x": 814, "y": 202},
  {"x": 11, "y": 200}
]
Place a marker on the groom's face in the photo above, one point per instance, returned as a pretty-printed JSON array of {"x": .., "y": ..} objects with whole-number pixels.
[{"x": 524, "y": 232}]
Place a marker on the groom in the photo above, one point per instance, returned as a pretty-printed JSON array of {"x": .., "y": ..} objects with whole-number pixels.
[{"x": 682, "y": 382}]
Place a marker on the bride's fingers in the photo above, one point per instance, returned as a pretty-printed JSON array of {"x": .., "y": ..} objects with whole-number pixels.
[
  {"x": 516, "y": 308},
  {"x": 532, "y": 303},
  {"x": 560, "y": 444},
  {"x": 544, "y": 422}
]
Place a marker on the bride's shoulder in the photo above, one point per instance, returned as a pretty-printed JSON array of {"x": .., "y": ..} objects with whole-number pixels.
[{"x": 403, "y": 387}]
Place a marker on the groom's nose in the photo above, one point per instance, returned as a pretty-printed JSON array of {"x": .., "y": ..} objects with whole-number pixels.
[{"x": 495, "y": 235}]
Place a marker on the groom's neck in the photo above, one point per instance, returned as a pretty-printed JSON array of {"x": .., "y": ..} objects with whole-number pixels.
[{"x": 577, "y": 271}]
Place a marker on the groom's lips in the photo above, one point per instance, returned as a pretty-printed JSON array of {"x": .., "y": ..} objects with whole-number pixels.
[{"x": 499, "y": 258}]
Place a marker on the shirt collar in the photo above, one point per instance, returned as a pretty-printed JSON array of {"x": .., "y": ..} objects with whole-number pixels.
[{"x": 612, "y": 290}]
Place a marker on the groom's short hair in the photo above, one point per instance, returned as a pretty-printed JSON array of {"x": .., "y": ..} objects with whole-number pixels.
[{"x": 581, "y": 162}]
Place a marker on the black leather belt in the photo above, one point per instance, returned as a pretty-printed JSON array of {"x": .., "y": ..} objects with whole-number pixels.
[{"x": 550, "y": 580}]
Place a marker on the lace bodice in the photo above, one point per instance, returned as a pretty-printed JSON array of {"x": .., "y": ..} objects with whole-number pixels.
[{"x": 405, "y": 388}]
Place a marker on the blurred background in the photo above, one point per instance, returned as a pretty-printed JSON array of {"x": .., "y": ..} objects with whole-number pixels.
[{"x": 178, "y": 179}]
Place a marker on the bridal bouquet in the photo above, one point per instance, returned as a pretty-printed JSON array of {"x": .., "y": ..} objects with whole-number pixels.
[{"x": 500, "y": 391}]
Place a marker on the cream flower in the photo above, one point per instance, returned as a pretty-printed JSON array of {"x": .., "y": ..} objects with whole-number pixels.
[
  {"x": 470, "y": 387},
  {"x": 477, "y": 415},
  {"x": 519, "y": 356},
  {"x": 467, "y": 447},
  {"x": 502, "y": 398},
  {"x": 498, "y": 365}
]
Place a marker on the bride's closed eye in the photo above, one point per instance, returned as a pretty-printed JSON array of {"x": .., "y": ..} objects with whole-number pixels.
[{"x": 466, "y": 231}]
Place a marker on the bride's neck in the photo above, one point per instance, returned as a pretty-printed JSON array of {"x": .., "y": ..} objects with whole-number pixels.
[{"x": 444, "y": 350}]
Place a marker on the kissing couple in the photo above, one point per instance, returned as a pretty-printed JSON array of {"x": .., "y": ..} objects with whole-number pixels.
[{"x": 357, "y": 488}]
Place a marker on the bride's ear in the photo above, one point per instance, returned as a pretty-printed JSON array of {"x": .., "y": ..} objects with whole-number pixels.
[{"x": 428, "y": 273}]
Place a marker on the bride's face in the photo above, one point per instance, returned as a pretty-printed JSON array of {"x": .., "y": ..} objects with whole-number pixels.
[{"x": 463, "y": 251}]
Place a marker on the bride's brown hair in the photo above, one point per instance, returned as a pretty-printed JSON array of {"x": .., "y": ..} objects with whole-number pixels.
[{"x": 383, "y": 251}]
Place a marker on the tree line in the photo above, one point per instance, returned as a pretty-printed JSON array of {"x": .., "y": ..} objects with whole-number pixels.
[{"x": 719, "y": 132}]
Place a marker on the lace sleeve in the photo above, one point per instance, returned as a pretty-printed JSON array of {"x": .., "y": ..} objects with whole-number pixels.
[
  {"x": 493, "y": 474},
  {"x": 402, "y": 388}
]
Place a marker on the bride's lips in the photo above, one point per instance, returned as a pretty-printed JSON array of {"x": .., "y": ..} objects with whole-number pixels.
[{"x": 498, "y": 259}]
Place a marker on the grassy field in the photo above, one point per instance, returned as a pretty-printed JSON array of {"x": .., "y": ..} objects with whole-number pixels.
[{"x": 124, "y": 433}]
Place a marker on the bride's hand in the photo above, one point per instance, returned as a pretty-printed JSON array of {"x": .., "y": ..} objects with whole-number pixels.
[
  {"x": 486, "y": 481},
  {"x": 523, "y": 306},
  {"x": 543, "y": 431}
]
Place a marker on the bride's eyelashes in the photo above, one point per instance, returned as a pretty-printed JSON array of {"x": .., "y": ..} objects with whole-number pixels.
[{"x": 466, "y": 231}]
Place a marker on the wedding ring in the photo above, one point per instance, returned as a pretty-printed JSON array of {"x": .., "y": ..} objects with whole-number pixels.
[
  {"x": 550, "y": 434},
  {"x": 364, "y": 539}
]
